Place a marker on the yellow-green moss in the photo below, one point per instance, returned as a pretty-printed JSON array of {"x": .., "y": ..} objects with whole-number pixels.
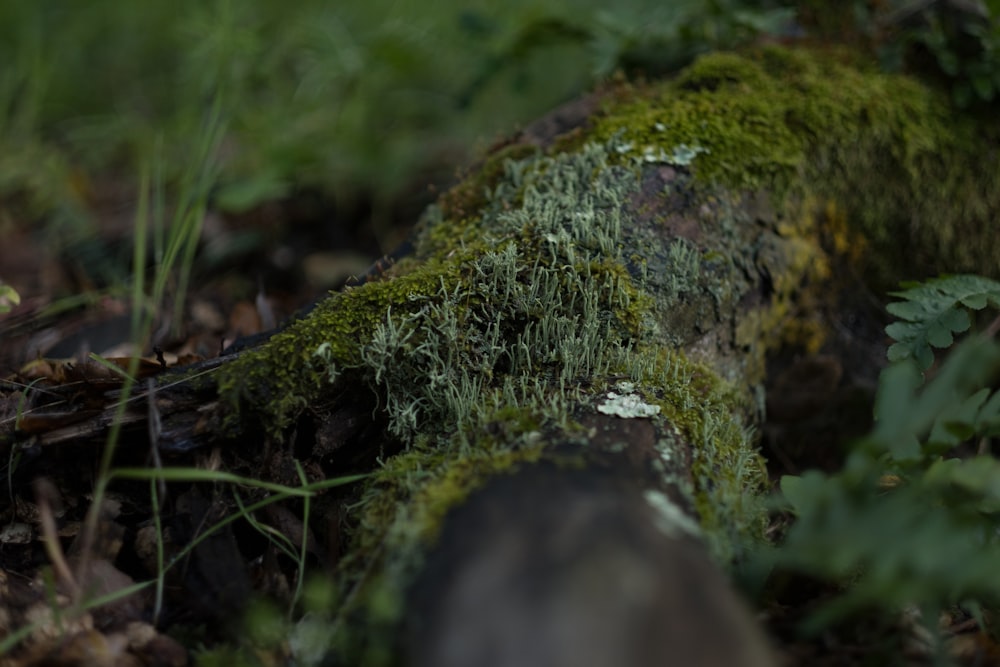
[
  {"x": 274, "y": 382},
  {"x": 469, "y": 196},
  {"x": 409, "y": 496},
  {"x": 910, "y": 172}
]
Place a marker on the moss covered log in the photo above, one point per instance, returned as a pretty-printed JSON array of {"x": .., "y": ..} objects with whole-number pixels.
[{"x": 636, "y": 267}]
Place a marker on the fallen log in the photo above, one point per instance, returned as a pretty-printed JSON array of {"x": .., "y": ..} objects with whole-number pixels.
[{"x": 557, "y": 391}]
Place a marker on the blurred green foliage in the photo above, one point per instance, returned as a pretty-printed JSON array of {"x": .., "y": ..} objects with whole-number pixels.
[
  {"x": 367, "y": 99},
  {"x": 911, "y": 522},
  {"x": 955, "y": 42},
  {"x": 952, "y": 43},
  {"x": 349, "y": 97}
]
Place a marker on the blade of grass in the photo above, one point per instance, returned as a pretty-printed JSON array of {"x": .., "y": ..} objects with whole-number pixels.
[
  {"x": 139, "y": 252},
  {"x": 260, "y": 504},
  {"x": 209, "y": 147},
  {"x": 158, "y": 526},
  {"x": 300, "y": 579},
  {"x": 114, "y": 368},
  {"x": 184, "y": 233},
  {"x": 218, "y": 476},
  {"x": 276, "y": 537}
]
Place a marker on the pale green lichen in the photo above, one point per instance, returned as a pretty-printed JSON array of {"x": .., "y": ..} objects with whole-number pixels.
[
  {"x": 685, "y": 274},
  {"x": 531, "y": 317}
]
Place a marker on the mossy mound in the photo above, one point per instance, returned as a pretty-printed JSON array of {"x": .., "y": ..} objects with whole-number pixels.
[{"x": 667, "y": 245}]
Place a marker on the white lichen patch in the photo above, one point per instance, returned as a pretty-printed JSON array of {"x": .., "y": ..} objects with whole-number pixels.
[
  {"x": 670, "y": 518},
  {"x": 627, "y": 406},
  {"x": 681, "y": 155},
  {"x": 625, "y": 387}
]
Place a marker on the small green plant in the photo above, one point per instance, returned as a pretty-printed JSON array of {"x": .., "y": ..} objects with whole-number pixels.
[
  {"x": 933, "y": 311},
  {"x": 908, "y": 522},
  {"x": 957, "y": 43},
  {"x": 9, "y": 298}
]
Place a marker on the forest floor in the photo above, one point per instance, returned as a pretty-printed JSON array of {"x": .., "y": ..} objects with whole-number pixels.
[{"x": 61, "y": 346}]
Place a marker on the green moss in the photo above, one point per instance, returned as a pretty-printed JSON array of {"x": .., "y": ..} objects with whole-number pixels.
[
  {"x": 409, "y": 496},
  {"x": 468, "y": 197},
  {"x": 757, "y": 116},
  {"x": 903, "y": 164},
  {"x": 275, "y": 382},
  {"x": 707, "y": 416}
]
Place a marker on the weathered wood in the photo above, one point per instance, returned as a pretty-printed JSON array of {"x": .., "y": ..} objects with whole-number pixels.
[{"x": 552, "y": 567}]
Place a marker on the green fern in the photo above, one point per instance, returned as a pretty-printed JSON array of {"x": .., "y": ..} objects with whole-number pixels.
[
  {"x": 889, "y": 527},
  {"x": 933, "y": 311},
  {"x": 907, "y": 505}
]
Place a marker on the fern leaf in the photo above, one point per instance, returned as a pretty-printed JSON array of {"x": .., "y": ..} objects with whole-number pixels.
[{"x": 932, "y": 312}]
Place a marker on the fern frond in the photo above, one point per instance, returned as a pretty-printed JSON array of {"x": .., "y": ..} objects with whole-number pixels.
[{"x": 932, "y": 312}]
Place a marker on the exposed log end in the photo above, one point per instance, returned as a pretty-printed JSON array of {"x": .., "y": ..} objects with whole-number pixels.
[{"x": 551, "y": 567}]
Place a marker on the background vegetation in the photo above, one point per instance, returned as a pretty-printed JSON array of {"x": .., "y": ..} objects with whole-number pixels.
[
  {"x": 362, "y": 100},
  {"x": 367, "y": 102}
]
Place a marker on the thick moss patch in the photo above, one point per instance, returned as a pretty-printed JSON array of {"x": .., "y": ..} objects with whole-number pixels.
[{"x": 911, "y": 174}]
